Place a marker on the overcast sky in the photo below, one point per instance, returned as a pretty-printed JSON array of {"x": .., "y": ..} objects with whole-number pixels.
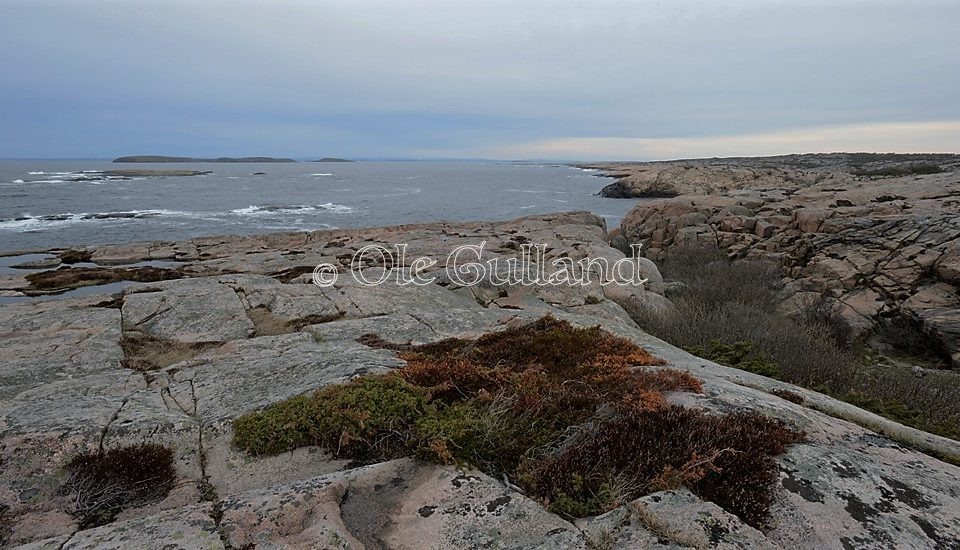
[{"x": 517, "y": 79}]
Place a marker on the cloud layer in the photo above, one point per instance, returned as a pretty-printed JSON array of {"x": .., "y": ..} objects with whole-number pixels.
[{"x": 598, "y": 79}]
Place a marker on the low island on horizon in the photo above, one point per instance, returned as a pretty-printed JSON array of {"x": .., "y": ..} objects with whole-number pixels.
[{"x": 168, "y": 159}]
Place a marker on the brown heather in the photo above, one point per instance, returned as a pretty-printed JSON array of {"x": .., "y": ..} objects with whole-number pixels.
[{"x": 575, "y": 416}]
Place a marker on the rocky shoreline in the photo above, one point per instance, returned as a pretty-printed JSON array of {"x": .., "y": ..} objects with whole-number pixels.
[
  {"x": 881, "y": 246},
  {"x": 787, "y": 172},
  {"x": 241, "y": 327}
]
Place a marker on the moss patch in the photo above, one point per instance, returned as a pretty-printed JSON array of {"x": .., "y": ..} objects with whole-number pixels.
[
  {"x": 102, "y": 484},
  {"x": 508, "y": 403}
]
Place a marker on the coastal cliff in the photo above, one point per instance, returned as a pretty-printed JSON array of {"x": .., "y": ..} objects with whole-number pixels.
[
  {"x": 880, "y": 246},
  {"x": 234, "y": 326}
]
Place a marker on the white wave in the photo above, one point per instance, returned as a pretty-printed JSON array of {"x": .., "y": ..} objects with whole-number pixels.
[
  {"x": 252, "y": 209},
  {"x": 404, "y": 192},
  {"x": 48, "y": 181},
  {"x": 17, "y": 181},
  {"x": 532, "y": 191},
  {"x": 273, "y": 209},
  {"x": 30, "y": 223},
  {"x": 336, "y": 207},
  {"x": 322, "y": 174}
]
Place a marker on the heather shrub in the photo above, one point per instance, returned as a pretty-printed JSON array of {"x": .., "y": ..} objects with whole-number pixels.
[
  {"x": 726, "y": 459},
  {"x": 103, "y": 483},
  {"x": 508, "y": 403}
]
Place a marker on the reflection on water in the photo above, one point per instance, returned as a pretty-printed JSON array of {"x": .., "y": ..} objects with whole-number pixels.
[{"x": 7, "y": 264}]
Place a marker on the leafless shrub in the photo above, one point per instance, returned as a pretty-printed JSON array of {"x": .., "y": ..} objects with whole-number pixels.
[
  {"x": 738, "y": 302},
  {"x": 714, "y": 279},
  {"x": 5, "y": 521},
  {"x": 103, "y": 483},
  {"x": 825, "y": 311},
  {"x": 906, "y": 337}
]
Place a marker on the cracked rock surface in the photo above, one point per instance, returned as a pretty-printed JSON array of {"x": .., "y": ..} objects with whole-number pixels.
[
  {"x": 878, "y": 248},
  {"x": 65, "y": 389}
]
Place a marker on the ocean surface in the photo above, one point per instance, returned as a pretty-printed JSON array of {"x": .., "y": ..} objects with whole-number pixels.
[{"x": 41, "y": 208}]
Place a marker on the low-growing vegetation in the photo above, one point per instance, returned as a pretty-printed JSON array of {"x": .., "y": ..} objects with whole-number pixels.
[
  {"x": 726, "y": 459},
  {"x": 102, "y": 484},
  {"x": 573, "y": 416},
  {"x": 900, "y": 170},
  {"x": 731, "y": 312},
  {"x": 788, "y": 395},
  {"x": 143, "y": 352},
  {"x": 5, "y": 521},
  {"x": 66, "y": 278},
  {"x": 266, "y": 323},
  {"x": 741, "y": 355}
]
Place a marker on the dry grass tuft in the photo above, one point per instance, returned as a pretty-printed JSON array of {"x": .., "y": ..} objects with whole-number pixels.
[
  {"x": 143, "y": 352},
  {"x": 266, "y": 323},
  {"x": 665, "y": 531}
]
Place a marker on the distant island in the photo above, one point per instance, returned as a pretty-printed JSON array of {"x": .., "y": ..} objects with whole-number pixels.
[
  {"x": 331, "y": 159},
  {"x": 159, "y": 158}
]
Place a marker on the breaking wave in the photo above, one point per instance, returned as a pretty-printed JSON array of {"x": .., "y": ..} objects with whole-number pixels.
[
  {"x": 28, "y": 222},
  {"x": 258, "y": 210}
]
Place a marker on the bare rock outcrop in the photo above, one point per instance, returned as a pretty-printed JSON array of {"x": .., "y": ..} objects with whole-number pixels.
[
  {"x": 720, "y": 175},
  {"x": 67, "y": 390},
  {"x": 881, "y": 249}
]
